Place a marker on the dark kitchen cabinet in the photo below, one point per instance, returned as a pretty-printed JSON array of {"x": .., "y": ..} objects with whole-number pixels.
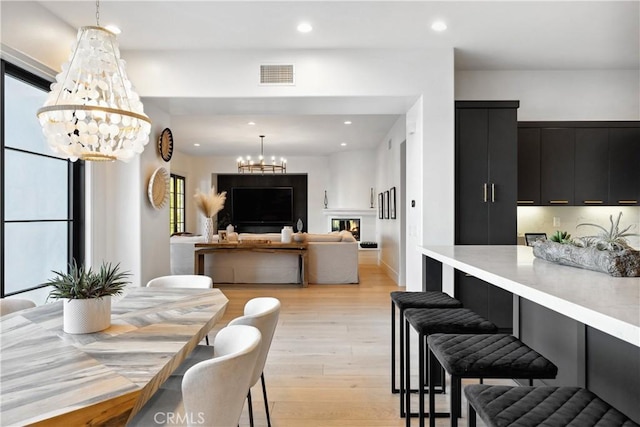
[
  {"x": 557, "y": 155},
  {"x": 624, "y": 166},
  {"x": 528, "y": 166},
  {"x": 486, "y": 195},
  {"x": 579, "y": 163},
  {"x": 591, "y": 166}
]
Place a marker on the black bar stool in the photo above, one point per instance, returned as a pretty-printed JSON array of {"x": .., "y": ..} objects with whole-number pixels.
[
  {"x": 483, "y": 356},
  {"x": 404, "y": 300},
  {"x": 534, "y": 406},
  {"x": 426, "y": 322}
]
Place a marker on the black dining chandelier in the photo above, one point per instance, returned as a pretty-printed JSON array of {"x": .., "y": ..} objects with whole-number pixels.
[{"x": 247, "y": 164}]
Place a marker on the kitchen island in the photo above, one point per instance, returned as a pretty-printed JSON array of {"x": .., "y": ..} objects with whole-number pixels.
[{"x": 586, "y": 322}]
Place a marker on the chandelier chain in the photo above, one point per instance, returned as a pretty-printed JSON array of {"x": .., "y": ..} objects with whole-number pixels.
[{"x": 98, "y": 13}]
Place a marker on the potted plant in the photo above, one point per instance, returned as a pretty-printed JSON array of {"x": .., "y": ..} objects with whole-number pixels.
[
  {"x": 607, "y": 252},
  {"x": 87, "y": 296}
]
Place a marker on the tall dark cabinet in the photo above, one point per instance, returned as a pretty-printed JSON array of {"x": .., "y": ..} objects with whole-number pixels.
[{"x": 486, "y": 196}]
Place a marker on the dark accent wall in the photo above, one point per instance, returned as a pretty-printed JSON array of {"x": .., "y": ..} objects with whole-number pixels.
[{"x": 297, "y": 181}]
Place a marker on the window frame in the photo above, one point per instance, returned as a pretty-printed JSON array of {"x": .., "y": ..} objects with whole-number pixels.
[
  {"x": 75, "y": 184},
  {"x": 173, "y": 204}
]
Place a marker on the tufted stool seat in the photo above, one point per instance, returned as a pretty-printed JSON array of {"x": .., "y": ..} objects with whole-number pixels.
[
  {"x": 485, "y": 356},
  {"x": 427, "y": 321},
  {"x": 404, "y": 300},
  {"x": 500, "y": 406}
]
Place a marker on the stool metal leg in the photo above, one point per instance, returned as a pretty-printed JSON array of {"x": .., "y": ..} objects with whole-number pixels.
[
  {"x": 407, "y": 373},
  {"x": 421, "y": 375},
  {"x": 471, "y": 415},
  {"x": 394, "y": 389},
  {"x": 250, "y": 408}
]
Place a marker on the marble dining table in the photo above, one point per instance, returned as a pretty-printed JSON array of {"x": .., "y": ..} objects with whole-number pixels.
[{"x": 48, "y": 377}]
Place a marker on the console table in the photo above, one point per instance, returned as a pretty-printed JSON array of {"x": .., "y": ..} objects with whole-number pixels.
[
  {"x": 201, "y": 249},
  {"x": 53, "y": 378}
]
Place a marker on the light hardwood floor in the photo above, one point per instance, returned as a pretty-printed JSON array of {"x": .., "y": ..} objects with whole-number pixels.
[{"x": 329, "y": 363}]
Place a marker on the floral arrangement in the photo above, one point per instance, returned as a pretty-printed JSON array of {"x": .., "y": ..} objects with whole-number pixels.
[{"x": 210, "y": 203}]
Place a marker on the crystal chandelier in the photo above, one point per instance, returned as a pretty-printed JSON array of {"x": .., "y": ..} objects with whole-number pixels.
[
  {"x": 92, "y": 111},
  {"x": 248, "y": 165}
]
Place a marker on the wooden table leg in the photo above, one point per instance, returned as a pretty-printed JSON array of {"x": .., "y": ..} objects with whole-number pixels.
[
  {"x": 198, "y": 267},
  {"x": 305, "y": 270}
]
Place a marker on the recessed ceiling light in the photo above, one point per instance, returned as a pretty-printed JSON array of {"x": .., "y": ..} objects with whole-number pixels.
[
  {"x": 438, "y": 26},
  {"x": 251, "y": 123},
  {"x": 196, "y": 145},
  {"x": 344, "y": 144},
  {"x": 348, "y": 122},
  {"x": 114, "y": 29},
  {"x": 305, "y": 27}
]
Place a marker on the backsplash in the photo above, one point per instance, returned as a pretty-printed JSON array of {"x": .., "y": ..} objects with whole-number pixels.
[{"x": 540, "y": 219}]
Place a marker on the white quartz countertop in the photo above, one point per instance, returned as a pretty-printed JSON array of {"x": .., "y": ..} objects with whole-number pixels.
[{"x": 610, "y": 304}]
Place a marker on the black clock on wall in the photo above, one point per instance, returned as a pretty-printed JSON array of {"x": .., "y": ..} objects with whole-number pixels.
[{"x": 165, "y": 144}]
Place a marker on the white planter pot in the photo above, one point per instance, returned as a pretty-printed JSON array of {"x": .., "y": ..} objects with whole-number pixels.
[{"x": 85, "y": 316}]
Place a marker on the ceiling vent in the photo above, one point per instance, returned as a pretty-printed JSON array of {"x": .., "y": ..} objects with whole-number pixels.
[{"x": 277, "y": 74}]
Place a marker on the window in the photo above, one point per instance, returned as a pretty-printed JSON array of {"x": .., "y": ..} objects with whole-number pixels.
[
  {"x": 41, "y": 200},
  {"x": 176, "y": 204}
]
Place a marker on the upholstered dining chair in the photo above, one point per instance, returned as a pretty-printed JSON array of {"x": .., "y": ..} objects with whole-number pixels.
[
  {"x": 11, "y": 305},
  {"x": 213, "y": 391},
  {"x": 182, "y": 281},
  {"x": 262, "y": 313}
]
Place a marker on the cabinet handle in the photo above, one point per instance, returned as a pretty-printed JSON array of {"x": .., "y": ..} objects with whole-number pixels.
[
  {"x": 484, "y": 192},
  {"x": 493, "y": 192},
  {"x": 525, "y": 202},
  {"x": 627, "y": 202},
  {"x": 593, "y": 202},
  {"x": 559, "y": 202}
]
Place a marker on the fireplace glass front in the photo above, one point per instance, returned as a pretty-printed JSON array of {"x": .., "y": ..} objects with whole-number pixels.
[{"x": 349, "y": 224}]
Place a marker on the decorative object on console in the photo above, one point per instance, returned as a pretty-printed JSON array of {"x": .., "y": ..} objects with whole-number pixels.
[
  {"x": 87, "y": 296},
  {"x": 92, "y": 111},
  {"x": 165, "y": 144},
  {"x": 209, "y": 205},
  {"x": 158, "y": 188},
  {"x": 299, "y": 225},
  {"x": 607, "y": 252},
  {"x": 371, "y": 198},
  {"x": 248, "y": 165},
  {"x": 286, "y": 234}
]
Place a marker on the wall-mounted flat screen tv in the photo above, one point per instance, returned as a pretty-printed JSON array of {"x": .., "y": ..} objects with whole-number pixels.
[{"x": 262, "y": 204}]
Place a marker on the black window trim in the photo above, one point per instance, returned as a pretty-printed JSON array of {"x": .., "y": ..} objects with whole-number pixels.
[
  {"x": 76, "y": 183},
  {"x": 175, "y": 208}
]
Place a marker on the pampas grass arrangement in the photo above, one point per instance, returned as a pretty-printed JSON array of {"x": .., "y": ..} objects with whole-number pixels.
[{"x": 210, "y": 203}]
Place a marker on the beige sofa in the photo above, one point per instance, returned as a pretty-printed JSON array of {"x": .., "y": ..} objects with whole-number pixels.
[{"x": 333, "y": 258}]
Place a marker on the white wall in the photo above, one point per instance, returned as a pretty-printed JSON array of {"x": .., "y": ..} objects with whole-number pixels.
[
  {"x": 352, "y": 175},
  {"x": 154, "y": 223},
  {"x": 558, "y": 95},
  {"x": 388, "y": 175}
]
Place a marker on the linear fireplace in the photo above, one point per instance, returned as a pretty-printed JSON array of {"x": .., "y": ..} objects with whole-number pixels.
[{"x": 349, "y": 224}]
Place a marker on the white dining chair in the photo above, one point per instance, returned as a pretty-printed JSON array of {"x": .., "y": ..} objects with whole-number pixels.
[
  {"x": 262, "y": 313},
  {"x": 213, "y": 391},
  {"x": 182, "y": 281},
  {"x": 11, "y": 305}
]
